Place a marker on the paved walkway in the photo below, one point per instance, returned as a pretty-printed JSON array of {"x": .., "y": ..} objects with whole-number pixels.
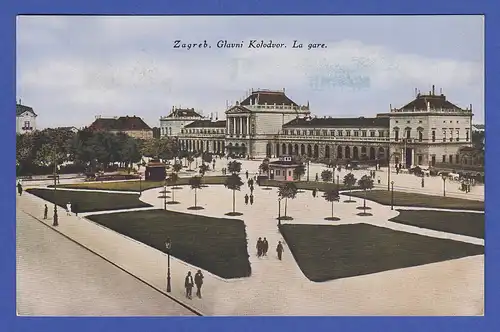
[
  {"x": 57, "y": 277},
  {"x": 279, "y": 287}
]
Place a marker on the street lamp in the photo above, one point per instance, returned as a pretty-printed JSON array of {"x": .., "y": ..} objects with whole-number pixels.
[
  {"x": 279, "y": 211},
  {"x": 392, "y": 195},
  {"x": 444, "y": 184},
  {"x": 56, "y": 218},
  {"x": 338, "y": 180},
  {"x": 165, "y": 194},
  {"x": 168, "y": 245}
]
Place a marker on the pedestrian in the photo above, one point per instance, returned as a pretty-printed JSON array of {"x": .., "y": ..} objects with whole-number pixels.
[
  {"x": 251, "y": 199},
  {"x": 251, "y": 189},
  {"x": 279, "y": 250},
  {"x": 68, "y": 208},
  {"x": 246, "y": 173},
  {"x": 198, "y": 281},
  {"x": 75, "y": 208},
  {"x": 314, "y": 192},
  {"x": 188, "y": 283},
  {"x": 422, "y": 182},
  {"x": 45, "y": 212},
  {"x": 19, "y": 188},
  {"x": 265, "y": 247},
  {"x": 377, "y": 167},
  {"x": 250, "y": 182},
  {"x": 259, "y": 247},
  {"x": 246, "y": 199},
  {"x": 317, "y": 177}
]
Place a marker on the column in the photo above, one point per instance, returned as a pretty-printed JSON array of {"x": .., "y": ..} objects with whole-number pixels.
[
  {"x": 228, "y": 125},
  {"x": 241, "y": 126},
  {"x": 248, "y": 125},
  {"x": 413, "y": 161},
  {"x": 234, "y": 126}
]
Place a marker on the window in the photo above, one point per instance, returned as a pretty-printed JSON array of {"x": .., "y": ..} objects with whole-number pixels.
[
  {"x": 458, "y": 135},
  {"x": 450, "y": 158},
  {"x": 304, "y": 132},
  {"x": 444, "y": 158},
  {"x": 356, "y": 134},
  {"x": 396, "y": 135},
  {"x": 420, "y": 121},
  {"x": 26, "y": 125},
  {"x": 420, "y": 136},
  {"x": 311, "y": 132},
  {"x": 317, "y": 132},
  {"x": 397, "y": 121},
  {"x": 277, "y": 172},
  {"x": 348, "y": 133},
  {"x": 170, "y": 131},
  {"x": 467, "y": 135},
  {"x": 332, "y": 132},
  {"x": 433, "y": 160},
  {"x": 380, "y": 133},
  {"x": 285, "y": 132},
  {"x": 457, "y": 159},
  {"x": 339, "y": 132},
  {"x": 444, "y": 136},
  {"x": 372, "y": 133},
  {"x": 433, "y": 135},
  {"x": 420, "y": 159},
  {"x": 363, "y": 133},
  {"x": 289, "y": 173},
  {"x": 325, "y": 132},
  {"x": 408, "y": 121}
]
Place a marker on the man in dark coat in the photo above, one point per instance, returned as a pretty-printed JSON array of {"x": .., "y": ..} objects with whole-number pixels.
[
  {"x": 251, "y": 199},
  {"x": 314, "y": 192},
  {"x": 45, "y": 211},
  {"x": 246, "y": 199},
  {"x": 198, "y": 281},
  {"x": 19, "y": 188},
  {"x": 265, "y": 247},
  {"x": 188, "y": 283},
  {"x": 279, "y": 250},
  {"x": 75, "y": 208},
  {"x": 259, "y": 247},
  {"x": 246, "y": 173}
]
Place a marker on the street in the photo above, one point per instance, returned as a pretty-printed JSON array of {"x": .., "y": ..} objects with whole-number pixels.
[{"x": 57, "y": 277}]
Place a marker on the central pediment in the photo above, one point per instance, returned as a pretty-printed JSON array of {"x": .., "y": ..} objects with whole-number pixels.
[{"x": 238, "y": 109}]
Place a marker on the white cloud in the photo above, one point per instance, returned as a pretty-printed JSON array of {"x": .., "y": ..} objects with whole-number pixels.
[{"x": 115, "y": 66}]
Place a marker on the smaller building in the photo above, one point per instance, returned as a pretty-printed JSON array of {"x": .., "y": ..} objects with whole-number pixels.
[
  {"x": 25, "y": 119},
  {"x": 282, "y": 169},
  {"x": 133, "y": 126},
  {"x": 72, "y": 129},
  {"x": 177, "y": 119},
  {"x": 155, "y": 171}
]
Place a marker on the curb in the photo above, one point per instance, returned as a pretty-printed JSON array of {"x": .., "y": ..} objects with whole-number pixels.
[{"x": 190, "y": 308}]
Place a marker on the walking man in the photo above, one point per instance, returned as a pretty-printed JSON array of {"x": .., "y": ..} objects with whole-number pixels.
[
  {"x": 251, "y": 199},
  {"x": 246, "y": 199},
  {"x": 279, "y": 250},
  {"x": 45, "y": 212},
  {"x": 251, "y": 189},
  {"x": 314, "y": 192},
  {"x": 19, "y": 188},
  {"x": 246, "y": 173},
  {"x": 68, "y": 208},
  {"x": 265, "y": 247},
  {"x": 259, "y": 247},
  {"x": 188, "y": 283},
  {"x": 198, "y": 280}
]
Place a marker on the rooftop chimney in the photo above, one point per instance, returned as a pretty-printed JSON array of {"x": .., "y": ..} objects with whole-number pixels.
[{"x": 433, "y": 89}]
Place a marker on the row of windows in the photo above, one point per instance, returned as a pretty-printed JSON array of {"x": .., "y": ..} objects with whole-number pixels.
[
  {"x": 433, "y": 135},
  {"x": 450, "y": 159},
  {"x": 278, "y": 172},
  {"x": 420, "y": 121},
  {"x": 202, "y": 131},
  {"x": 338, "y": 133}
]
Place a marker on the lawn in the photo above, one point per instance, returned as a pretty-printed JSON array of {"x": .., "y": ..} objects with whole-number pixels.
[
  {"x": 90, "y": 201},
  {"x": 305, "y": 185},
  {"x": 464, "y": 223},
  {"x": 137, "y": 185},
  {"x": 357, "y": 249},
  {"x": 217, "y": 245},
  {"x": 420, "y": 200}
]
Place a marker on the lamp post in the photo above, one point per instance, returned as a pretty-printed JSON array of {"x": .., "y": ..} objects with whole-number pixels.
[
  {"x": 165, "y": 194},
  {"x": 338, "y": 180},
  {"x": 444, "y": 184},
  {"x": 392, "y": 195},
  {"x": 140, "y": 184},
  {"x": 308, "y": 166},
  {"x": 56, "y": 217},
  {"x": 168, "y": 245},
  {"x": 279, "y": 211}
]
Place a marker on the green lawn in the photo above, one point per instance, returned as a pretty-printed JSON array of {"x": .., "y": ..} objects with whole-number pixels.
[
  {"x": 464, "y": 223},
  {"x": 217, "y": 245},
  {"x": 420, "y": 200},
  {"x": 357, "y": 249},
  {"x": 306, "y": 185},
  {"x": 137, "y": 185},
  {"x": 90, "y": 201}
]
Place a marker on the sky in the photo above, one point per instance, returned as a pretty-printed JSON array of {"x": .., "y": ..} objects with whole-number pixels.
[{"x": 71, "y": 69}]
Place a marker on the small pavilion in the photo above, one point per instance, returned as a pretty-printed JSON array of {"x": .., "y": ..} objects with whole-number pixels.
[
  {"x": 155, "y": 171},
  {"x": 282, "y": 169}
]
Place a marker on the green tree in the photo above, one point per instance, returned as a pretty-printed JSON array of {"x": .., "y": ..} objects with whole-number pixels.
[
  {"x": 195, "y": 183},
  {"x": 264, "y": 166},
  {"x": 332, "y": 195},
  {"x": 233, "y": 182},
  {"x": 177, "y": 167},
  {"x": 172, "y": 180},
  {"x": 326, "y": 175},
  {"x": 365, "y": 183},
  {"x": 203, "y": 169},
  {"x": 234, "y": 167},
  {"x": 299, "y": 171},
  {"x": 287, "y": 191},
  {"x": 207, "y": 157},
  {"x": 349, "y": 182}
]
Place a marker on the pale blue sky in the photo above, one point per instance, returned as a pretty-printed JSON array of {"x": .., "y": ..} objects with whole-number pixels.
[{"x": 70, "y": 69}]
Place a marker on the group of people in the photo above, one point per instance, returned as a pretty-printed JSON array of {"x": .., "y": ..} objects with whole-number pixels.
[
  {"x": 373, "y": 174},
  {"x": 190, "y": 282},
  {"x": 263, "y": 247},
  {"x": 249, "y": 198}
]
